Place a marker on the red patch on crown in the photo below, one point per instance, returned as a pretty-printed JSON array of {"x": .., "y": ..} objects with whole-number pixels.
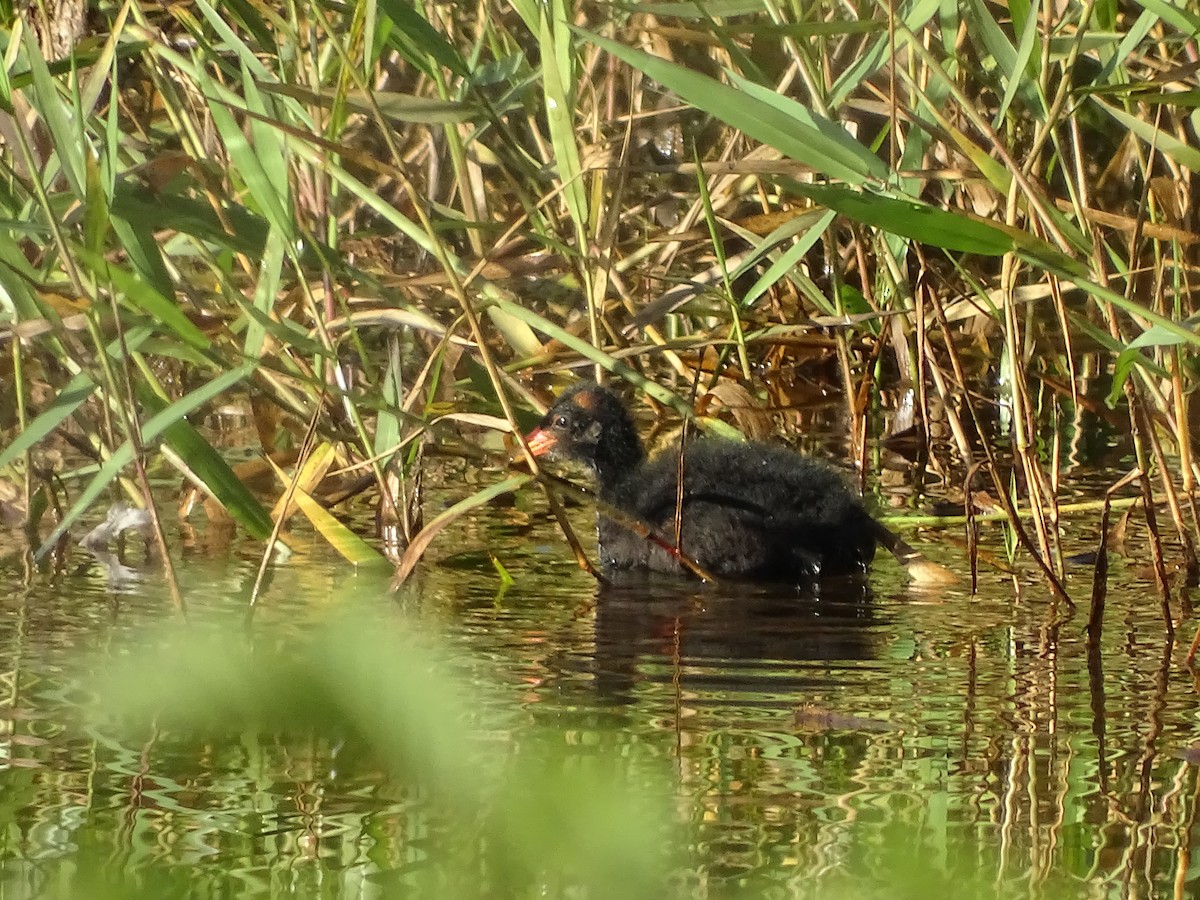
[{"x": 584, "y": 400}]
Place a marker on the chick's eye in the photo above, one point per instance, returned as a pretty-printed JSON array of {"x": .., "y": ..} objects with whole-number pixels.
[{"x": 560, "y": 422}]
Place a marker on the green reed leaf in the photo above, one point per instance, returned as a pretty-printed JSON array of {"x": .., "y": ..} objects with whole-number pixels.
[{"x": 763, "y": 115}]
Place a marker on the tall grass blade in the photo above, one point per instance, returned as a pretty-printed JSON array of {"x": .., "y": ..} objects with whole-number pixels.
[{"x": 777, "y": 121}]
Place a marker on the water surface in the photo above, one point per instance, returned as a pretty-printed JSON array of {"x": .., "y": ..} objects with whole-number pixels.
[{"x": 874, "y": 740}]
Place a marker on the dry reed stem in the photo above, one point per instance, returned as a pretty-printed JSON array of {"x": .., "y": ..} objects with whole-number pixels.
[{"x": 1002, "y": 494}]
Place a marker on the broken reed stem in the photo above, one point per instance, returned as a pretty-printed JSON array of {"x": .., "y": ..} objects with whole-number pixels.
[
  {"x": 1183, "y": 434},
  {"x": 1141, "y": 423},
  {"x": 307, "y": 445},
  {"x": 855, "y": 428},
  {"x": 1001, "y": 516},
  {"x": 679, "y": 466}
]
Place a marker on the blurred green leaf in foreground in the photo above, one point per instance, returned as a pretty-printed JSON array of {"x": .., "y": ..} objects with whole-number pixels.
[{"x": 502, "y": 813}]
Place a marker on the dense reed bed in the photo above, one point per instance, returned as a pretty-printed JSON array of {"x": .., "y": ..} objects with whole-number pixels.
[{"x": 382, "y": 228}]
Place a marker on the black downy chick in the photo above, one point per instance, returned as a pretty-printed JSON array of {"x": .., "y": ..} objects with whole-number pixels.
[{"x": 750, "y": 510}]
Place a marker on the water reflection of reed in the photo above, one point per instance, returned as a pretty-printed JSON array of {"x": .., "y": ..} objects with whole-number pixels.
[{"x": 843, "y": 739}]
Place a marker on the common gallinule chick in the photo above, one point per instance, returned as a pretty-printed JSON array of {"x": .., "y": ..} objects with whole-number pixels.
[{"x": 749, "y": 510}]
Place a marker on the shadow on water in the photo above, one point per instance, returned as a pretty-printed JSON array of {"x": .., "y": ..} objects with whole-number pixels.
[{"x": 729, "y": 638}]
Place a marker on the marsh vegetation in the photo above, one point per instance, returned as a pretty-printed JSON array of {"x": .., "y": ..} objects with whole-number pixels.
[{"x": 266, "y": 267}]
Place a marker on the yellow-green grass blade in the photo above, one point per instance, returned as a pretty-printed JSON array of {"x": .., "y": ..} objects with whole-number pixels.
[
  {"x": 557, "y": 83},
  {"x": 418, "y": 41},
  {"x": 919, "y": 221},
  {"x": 66, "y": 132},
  {"x": 1022, "y": 76},
  {"x": 788, "y": 260},
  {"x": 1181, "y": 152},
  {"x": 394, "y": 105},
  {"x": 777, "y": 121},
  {"x": 820, "y": 134},
  {"x": 349, "y": 545},
  {"x": 270, "y": 271},
  {"x": 247, "y": 232},
  {"x": 877, "y": 54},
  {"x": 143, "y": 296},
  {"x": 65, "y": 402}
]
